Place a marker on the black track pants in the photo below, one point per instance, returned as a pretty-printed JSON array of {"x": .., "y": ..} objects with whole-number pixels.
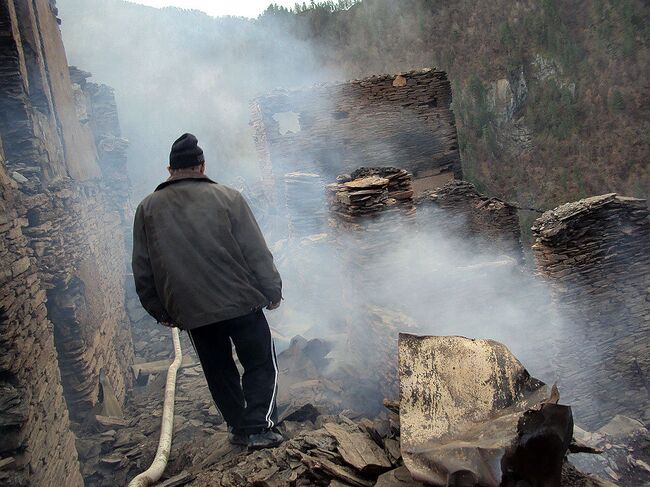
[{"x": 246, "y": 402}]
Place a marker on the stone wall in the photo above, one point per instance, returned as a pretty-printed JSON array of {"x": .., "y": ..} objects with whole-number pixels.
[
  {"x": 96, "y": 105},
  {"x": 63, "y": 217},
  {"x": 400, "y": 120},
  {"x": 37, "y": 446},
  {"x": 80, "y": 253},
  {"x": 27, "y": 104},
  {"x": 371, "y": 213},
  {"x": 594, "y": 252},
  {"x": 459, "y": 210}
]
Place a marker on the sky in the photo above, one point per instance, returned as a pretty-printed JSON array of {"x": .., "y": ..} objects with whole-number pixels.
[{"x": 216, "y": 8}]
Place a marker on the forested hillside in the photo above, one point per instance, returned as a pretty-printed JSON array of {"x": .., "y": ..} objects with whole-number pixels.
[{"x": 551, "y": 96}]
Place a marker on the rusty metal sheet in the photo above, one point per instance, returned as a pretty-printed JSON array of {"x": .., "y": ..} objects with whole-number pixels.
[{"x": 465, "y": 405}]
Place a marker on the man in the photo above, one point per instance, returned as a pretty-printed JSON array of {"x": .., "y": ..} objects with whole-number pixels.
[{"x": 200, "y": 263}]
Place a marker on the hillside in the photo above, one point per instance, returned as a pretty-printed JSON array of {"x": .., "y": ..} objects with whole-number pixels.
[{"x": 550, "y": 97}]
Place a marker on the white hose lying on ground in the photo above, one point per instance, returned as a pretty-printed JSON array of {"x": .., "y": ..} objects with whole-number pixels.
[{"x": 155, "y": 471}]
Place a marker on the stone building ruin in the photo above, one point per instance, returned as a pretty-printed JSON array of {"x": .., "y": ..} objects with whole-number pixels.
[
  {"x": 594, "y": 253},
  {"x": 400, "y": 120},
  {"x": 65, "y": 339},
  {"x": 353, "y": 166},
  {"x": 382, "y": 154}
]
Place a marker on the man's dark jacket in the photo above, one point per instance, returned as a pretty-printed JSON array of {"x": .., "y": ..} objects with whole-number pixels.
[{"x": 199, "y": 256}]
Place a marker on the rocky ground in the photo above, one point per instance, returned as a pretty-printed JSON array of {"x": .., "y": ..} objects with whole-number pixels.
[
  {"x": 625, "y": 444},
  {"x": 324, "y": 447}
]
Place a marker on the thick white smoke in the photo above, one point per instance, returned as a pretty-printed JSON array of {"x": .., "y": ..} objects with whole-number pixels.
[
  {"x": 182, "y": 71},
  {"x": 177, "y": 71}
]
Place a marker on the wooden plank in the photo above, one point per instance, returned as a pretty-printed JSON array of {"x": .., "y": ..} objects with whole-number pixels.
[
  {"x": 148, "y": 368},
  {"x": 177, "y": 480}
]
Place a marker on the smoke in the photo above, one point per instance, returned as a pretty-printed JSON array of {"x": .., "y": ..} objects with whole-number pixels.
[
  {"x": 177, "y": 71},
  {"x": 182, "y": 71},
  {"x": 424, "y": 278},
  {"x": 359, "y": 289}
]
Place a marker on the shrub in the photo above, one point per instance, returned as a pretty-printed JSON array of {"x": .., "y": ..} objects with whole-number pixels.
[
  {"x": 617, "y": 102},
  {"x": 552, "y": 110}
]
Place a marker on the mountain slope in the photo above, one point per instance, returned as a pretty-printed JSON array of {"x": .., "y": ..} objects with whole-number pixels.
[{"x": 551, "y": 96}]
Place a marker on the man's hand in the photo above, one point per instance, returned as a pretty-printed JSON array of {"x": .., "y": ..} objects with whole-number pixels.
[{"x": 273, "y": 306}]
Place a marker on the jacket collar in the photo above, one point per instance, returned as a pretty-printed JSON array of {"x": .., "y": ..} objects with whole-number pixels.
[{"x": 182, "y": 176}]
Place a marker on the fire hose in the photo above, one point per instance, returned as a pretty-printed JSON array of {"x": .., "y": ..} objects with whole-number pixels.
[{"x": 155, "y": 471}]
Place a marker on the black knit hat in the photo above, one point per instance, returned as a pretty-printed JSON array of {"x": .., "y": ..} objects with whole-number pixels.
[{"x": 185, "y": 152}]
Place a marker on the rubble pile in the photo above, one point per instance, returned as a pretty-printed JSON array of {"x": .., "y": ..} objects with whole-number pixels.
[
  {"x": 333, "y": 451},
  {"x": 353, "y": 371},
  {"x": 305, "y": 199},
  {"x": 458, "y": 209},
  {"x": 399, "y": 182},
  {"x": 507, "y": 417},
  {"x": 624, "y": 446},
  {"x": 113, "y": 449},
  {"x": 303, "y": 378},
  {"x": 373, "y": 348},
  {"x": 329, "y": 445},
  {"x": 594, "y": 253},
  {"x": 323, "y": 451},
  {"x": 328, "y": 374}
]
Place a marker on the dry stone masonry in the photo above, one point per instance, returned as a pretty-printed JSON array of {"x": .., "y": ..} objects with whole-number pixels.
[
  {"x": 65, "y": 341},
  {"x": 371, "y": 211},
  {"x": 37, "y": 446},
  {"x": 459, "y": 210},
  {"x": 595, "y": 254},
  {"x": 400, "y": 120}
]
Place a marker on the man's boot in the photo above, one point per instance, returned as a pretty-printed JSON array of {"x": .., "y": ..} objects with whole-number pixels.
[
  {"x": 265, "y": 439},
  {"x": 237, "y": 437}
]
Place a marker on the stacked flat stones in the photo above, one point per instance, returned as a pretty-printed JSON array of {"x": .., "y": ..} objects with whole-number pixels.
[
  {"x": 369, "y": 192},
  {"x": 460, "y": 211},
  {"x": 305, "y": 199},
  {"x": 399, "y": 181},
  {"x": 355, "y": 199},
  {"x": 595, "y": 254},
  {"x": 371, "y": 210},
  {"x": 371, "y": 207}
]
